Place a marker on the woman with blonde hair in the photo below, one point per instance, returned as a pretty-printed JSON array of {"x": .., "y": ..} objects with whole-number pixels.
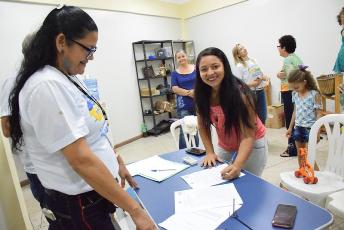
[{"x": 252, "y": 75}]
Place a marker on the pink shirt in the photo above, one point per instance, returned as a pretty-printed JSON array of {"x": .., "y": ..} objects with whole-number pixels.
[{"x": 230, "y": 142}]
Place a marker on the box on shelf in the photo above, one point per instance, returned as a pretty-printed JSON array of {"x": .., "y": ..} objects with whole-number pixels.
[
  {"x": 145, "y": 92},
  {"x": 275, "y": 118}
]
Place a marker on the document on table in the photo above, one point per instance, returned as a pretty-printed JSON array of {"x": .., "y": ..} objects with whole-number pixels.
[
  {"x": 156, "y": 168},
  {"x": 207, "y": 177},
  {"x": 204, "y": 208},
  {"x": 205, "y": 219},
  {"x": 206, "y": 198}
]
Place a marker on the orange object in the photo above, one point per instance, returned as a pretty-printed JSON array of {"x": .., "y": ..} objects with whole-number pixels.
[{"x": 306, "y": 170}]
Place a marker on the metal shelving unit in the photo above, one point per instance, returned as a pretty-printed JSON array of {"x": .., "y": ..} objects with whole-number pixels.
[{"x": 145, "y": 56}]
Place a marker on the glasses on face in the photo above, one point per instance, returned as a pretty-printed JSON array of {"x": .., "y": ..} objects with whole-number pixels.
[{"x": 90, "y": 51}]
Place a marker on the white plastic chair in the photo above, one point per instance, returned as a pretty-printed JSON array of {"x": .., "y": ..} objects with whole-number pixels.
[
  {"x": 335, "y": 203},
  {"x": 331, "y": 179},
  {"x": 188, "y": 137}
]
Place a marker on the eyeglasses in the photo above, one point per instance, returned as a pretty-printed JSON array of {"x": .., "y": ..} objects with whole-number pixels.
[{"x": 90, "y": 51}]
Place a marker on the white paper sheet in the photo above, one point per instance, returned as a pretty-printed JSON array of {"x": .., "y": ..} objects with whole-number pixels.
[
  {"x": 206, "y": 198},
  {"x": 156, "y": 168},
  {"x": 204, "y": 208},
  {"x": 205, "y": 219},
  {"x": 207, "y": 177}
]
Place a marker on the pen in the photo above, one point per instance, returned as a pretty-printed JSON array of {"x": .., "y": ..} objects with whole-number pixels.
[
  {"x": 159, "y": 170},
  {"x": 234, "y": 155}
]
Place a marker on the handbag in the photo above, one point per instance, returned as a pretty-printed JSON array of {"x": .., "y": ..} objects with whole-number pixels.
[{"x": 148, "y": 72}]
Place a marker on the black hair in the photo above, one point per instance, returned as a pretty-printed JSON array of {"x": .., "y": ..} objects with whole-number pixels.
[
  {"x": 288, "y": 42},
  {"x": 232, "y": 93},
  {"x": 339, "y": 15},
  {"x": 74, "y": 23}
]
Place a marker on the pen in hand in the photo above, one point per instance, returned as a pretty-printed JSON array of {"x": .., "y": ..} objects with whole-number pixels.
[{"x": 160, "y": 170}]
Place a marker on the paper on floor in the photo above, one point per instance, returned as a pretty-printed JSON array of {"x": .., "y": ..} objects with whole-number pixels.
[{"x": 207, "y": 177}]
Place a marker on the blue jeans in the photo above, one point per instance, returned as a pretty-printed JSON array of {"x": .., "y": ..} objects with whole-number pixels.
[
  {"x": 37, "y": 188},
  {"x": 84, "y": 211},
  {"x": 301, "y": 134},
  {"x": 182, "y": 113},
  {"x": 261, "y": 105},
  {"x": 288, "y": 112}
]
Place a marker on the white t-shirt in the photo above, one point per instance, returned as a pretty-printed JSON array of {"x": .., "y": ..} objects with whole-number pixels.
[
  {"x": 4, "y": 112},
  {"x": 54, "y": 114},
  {"x": 250, "y": 72}
]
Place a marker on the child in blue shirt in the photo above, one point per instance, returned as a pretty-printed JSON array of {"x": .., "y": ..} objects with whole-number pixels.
[{"x": 307, "y": 103}]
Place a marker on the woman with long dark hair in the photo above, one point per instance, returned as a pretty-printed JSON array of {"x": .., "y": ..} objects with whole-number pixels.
[
  {"x": 224, "y": 101},
  {"x": 64, "y": 128}
]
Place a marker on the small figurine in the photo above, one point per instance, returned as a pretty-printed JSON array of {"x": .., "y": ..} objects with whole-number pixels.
[{"x": 306, "y": 170}]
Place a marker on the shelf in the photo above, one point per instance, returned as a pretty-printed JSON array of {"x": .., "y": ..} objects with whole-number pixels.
[
  {"x": 152, "y": 41},
  {"x": 157, "y": 59},
  {"x": 157, "y": 95},
  {"x": 180, "y": 41},
  {"x": 156, "y": 77},
  {"x": 148, "y": 115}
]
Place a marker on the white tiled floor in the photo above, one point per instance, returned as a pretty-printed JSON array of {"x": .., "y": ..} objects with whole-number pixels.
[{"x": 150, "y": 146}]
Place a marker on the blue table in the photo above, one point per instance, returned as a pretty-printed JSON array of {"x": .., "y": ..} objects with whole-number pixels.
[{"x": 260, "y": 200}]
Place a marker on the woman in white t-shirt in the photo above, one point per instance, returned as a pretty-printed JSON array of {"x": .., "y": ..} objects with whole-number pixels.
[
  {"x": 252, "y": 75},
  {"x": 64, "y": 128}
]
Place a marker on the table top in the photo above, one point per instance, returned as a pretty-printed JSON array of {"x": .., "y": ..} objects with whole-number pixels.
[{"x": 259, "y": 196}]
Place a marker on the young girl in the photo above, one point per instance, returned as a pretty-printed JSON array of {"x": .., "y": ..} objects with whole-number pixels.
[
  {"x": 307, "y": 103},
  {"x": 252, "y": 75},
  {"x": 228, "y": 103}
]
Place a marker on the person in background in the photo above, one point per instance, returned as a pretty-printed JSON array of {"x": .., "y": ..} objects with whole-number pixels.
[
  {"x": 35, "y": 185},
  {"x": 339, "y": 65},
  {"x": 183, "y": 82},
  {"x": 253, "y": 76},
  {"x": 226, "y": 102},
  {"x": 67, "y": 144},
  {"x": 307, "y": 104},
  {"x": 286, "y": 49}
]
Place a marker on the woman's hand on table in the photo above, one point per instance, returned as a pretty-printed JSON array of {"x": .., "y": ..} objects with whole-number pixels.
[
  {"x": 230, "y": 172},
  {"x": 210, "y": 160}
]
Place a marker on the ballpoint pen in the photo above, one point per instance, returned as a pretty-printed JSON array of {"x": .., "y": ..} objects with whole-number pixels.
[{"x": 159, "y": 170}]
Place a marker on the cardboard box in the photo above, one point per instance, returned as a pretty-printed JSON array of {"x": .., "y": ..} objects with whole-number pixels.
[{"x": 275, "y": 118}]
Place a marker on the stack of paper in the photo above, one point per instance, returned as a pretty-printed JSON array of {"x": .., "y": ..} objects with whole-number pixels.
[
  {"x": 156, "y": 168},
  {"x": 207, "y": 177},
  {"x": 204, "y": 208}
]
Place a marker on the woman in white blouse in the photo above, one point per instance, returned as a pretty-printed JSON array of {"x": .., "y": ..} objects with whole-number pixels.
[{"x": 252, "y": 75}]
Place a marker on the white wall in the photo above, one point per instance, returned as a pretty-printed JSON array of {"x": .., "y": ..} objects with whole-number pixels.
[
  {"x": 258, "y": 24},
  {"x": 113, "y": 65}
]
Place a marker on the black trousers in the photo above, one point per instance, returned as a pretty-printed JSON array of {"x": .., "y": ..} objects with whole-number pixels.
[
  {"x": 288, "y": 112},
  {"x": 85, "y": 211}
]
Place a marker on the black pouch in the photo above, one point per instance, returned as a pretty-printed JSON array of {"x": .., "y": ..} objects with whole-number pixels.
[{"x": 148, "y": 72}]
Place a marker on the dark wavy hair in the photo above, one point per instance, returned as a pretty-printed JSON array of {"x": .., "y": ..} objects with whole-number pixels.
[
  {"x": 338, "y": 16},
  {"x": 288, "y": 42},
  {"x": 74, "y": 23},
  {"x": 232, "y": 92}
]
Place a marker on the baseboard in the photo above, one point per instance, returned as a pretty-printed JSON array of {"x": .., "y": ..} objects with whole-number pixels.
[
  {"x": 128, "y": 141},
  {"x": 24, "y": 182}
]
